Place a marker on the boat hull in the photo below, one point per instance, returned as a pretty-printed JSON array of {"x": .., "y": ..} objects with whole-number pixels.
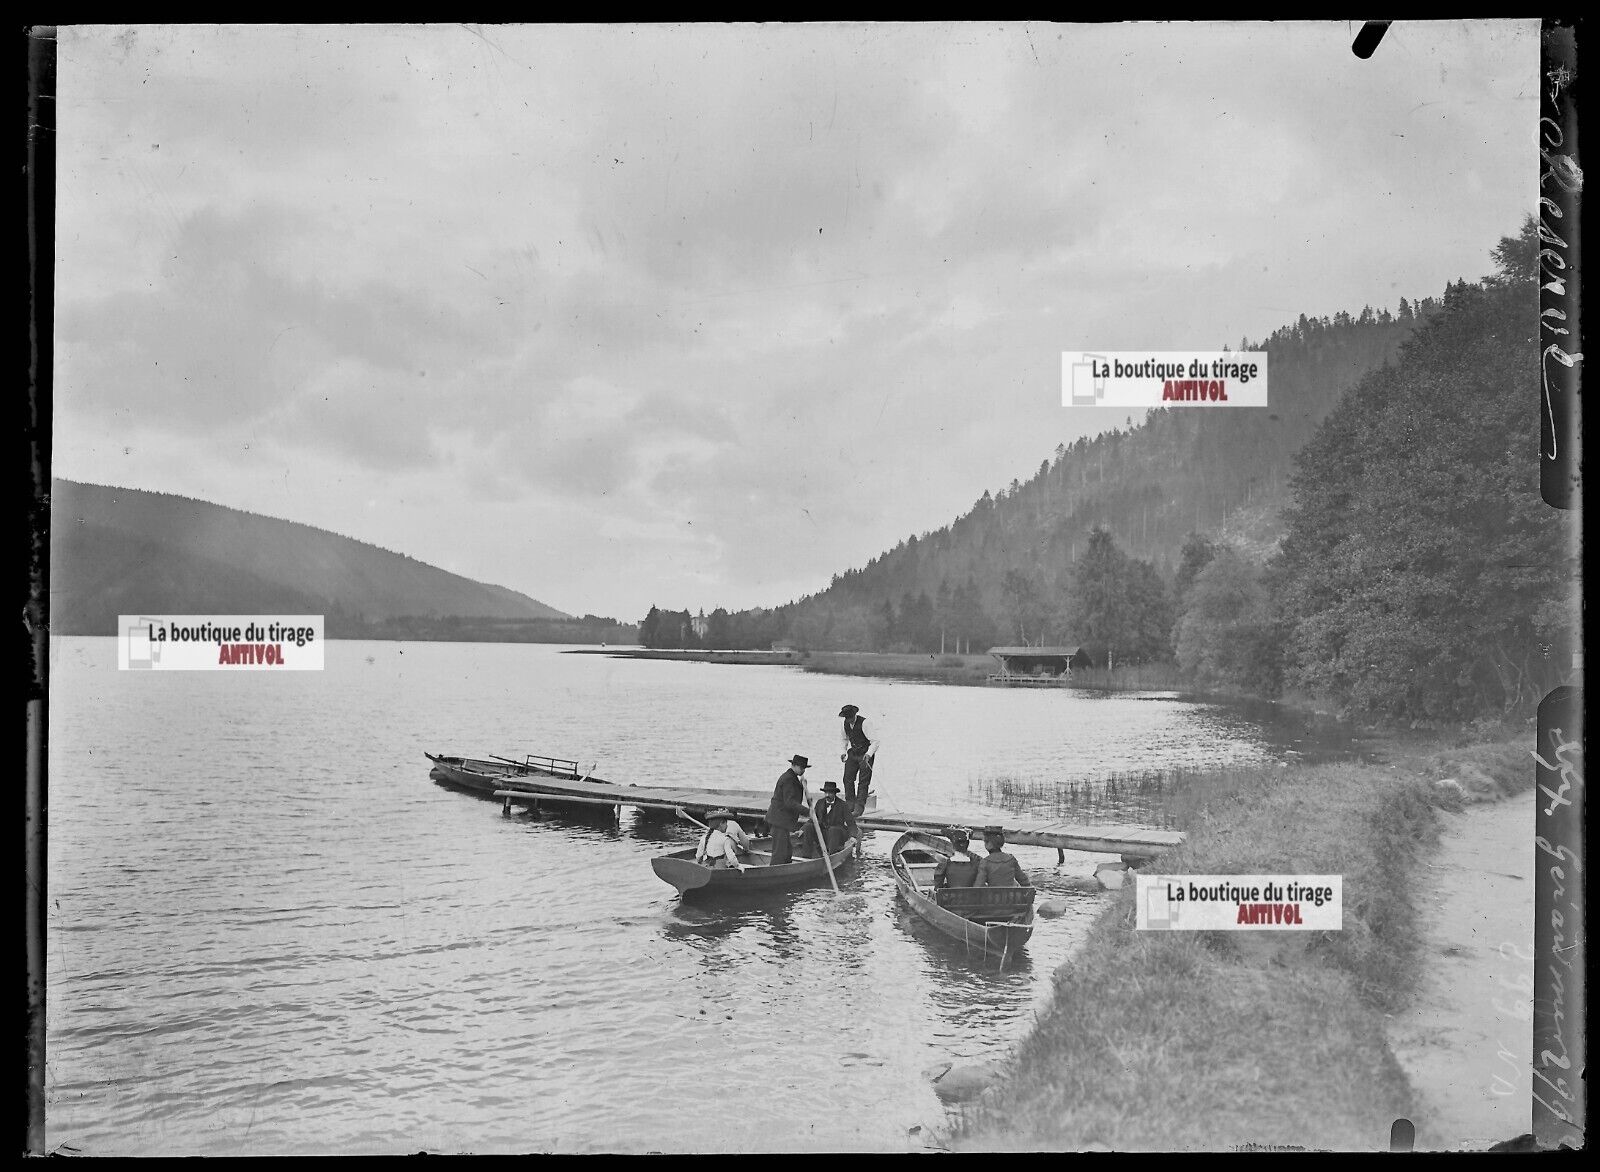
[
  {"x": 692, "y": 878},
  {"x": 996, "y": 936},
  {"x": 489, "y": 777}
]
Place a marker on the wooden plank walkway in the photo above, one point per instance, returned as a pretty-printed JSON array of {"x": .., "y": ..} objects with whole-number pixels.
[{"x": 1131, "y": 842}]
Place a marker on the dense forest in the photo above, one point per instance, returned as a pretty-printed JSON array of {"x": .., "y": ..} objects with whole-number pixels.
[
  {"x": 1003, "y": 571},
  {"x": 1374, "y": 538}
]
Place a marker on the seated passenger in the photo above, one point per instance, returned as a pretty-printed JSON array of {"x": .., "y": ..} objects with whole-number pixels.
[
  {"x": 999, "y": 869},
  {"x": 719, "y": 844},
  {"x": 961, "y": 868},
  {"x": 733, "y": 830},
  {"x": 836, "y": 817}
]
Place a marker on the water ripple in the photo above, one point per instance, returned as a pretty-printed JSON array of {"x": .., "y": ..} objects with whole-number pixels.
[{"x": 325, "y": 952}]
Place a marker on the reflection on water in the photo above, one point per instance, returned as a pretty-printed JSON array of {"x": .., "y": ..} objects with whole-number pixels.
[{"x": 270, "y": 932}]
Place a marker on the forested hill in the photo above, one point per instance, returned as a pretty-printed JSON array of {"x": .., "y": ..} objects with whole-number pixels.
[
  {"x": 126, "y": 551},
  {"x": 1224, "y": 473}
]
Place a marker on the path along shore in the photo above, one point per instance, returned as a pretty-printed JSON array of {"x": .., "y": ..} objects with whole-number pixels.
[
  {"x": 1163, "y": 1041},
  {"x": 1466, "y": 1040}
]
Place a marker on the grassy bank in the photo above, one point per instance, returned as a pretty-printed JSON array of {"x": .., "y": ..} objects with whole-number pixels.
[
  {"x": 942, "y": 669},
  {"x": 976, "y": 669},
  {"x": 1167, "y": 1040},
  {"x": 681, "y": 655}
]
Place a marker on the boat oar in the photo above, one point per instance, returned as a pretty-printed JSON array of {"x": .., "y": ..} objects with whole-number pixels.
[
  {"x": 822, "y": 845},
  {"x": 684, "y": 814}
]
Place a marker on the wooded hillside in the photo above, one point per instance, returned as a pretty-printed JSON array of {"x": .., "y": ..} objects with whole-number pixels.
[{"x": 126, "y": 551}]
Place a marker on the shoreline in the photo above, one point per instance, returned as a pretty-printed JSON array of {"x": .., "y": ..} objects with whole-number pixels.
[
  {"x": 964, "y": 670},
  {"x": 1220, "y": 1040}
]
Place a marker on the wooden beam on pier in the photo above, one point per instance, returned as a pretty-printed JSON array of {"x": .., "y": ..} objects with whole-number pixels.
[{"x": 1132, "y": 843}]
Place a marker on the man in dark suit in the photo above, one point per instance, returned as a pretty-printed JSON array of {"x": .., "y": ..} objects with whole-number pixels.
[
  {"x": 788, "y": 809},
  {"x": 836, "y": 817}
]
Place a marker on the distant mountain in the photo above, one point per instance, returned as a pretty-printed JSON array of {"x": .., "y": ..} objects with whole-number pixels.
[{"x": 126, "y": 551}]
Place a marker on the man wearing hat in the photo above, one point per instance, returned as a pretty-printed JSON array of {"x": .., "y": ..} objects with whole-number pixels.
[
  {"x": 998, "y": 869},
  {"x": 836, "y": 817},
  {"x": 857, "y": 757},
  {"x": 721, "y": 844},
  {"x": 788, "y": 809}
]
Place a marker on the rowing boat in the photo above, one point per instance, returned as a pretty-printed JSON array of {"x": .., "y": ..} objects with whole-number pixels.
[
  {"x": 488, "y": 776},
  {"x": 492, "y": 777},
  {"x": 690, "y": 877},
  {"x": 995, "y": 919}
]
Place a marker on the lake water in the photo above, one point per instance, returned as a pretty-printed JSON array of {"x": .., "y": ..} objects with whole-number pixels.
[{"x": 270, "y": 932}]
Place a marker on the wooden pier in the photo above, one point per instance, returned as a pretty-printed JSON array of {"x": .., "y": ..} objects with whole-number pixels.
[{"x": 1133, "y": 843}]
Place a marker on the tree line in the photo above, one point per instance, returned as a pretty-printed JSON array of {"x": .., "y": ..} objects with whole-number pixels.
[
  {"x": 1375, "y": 538},
  {"x": 1421, "y": 575}
]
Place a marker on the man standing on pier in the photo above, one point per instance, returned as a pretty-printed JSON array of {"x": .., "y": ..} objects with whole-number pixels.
[
  {"x": 857, "y": 757},
  {"x": 788, "y": 809}
]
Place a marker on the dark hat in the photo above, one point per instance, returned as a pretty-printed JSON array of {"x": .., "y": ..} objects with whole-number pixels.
[
  {"x": 831, "y": 788},
  {"x": 955, "y": 832},
  {"x": 715, "y": 814},
  {"x": 994, "y": 832},
  {"x": 799, "y": 762},
  {"x": 849, "y": 710}
]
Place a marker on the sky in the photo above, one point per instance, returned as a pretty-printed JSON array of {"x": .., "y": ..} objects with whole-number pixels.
[{"x": 699, "y": 316}]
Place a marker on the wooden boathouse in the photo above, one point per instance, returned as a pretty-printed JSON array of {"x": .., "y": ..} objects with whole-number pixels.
[{"x": 1037, "y": 666}]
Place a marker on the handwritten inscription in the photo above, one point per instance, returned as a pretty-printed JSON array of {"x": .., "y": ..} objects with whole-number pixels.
[
  {"x": 1560, "y": 881},
  {"x": 1521, "y": 1009}
]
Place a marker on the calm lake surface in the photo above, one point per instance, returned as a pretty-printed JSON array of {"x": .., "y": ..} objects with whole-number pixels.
[{"x": 270, "y": 932}]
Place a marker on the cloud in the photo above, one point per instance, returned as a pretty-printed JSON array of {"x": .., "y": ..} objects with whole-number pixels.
[{"x": 720, "y": 309}]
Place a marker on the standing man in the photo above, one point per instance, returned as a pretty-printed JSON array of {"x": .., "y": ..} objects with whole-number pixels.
[
  {"x": 857, "y": 757},
  {"x": 788, "y": 809}
]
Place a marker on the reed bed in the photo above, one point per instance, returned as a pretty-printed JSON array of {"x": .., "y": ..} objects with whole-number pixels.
[{"x": 1165, "y": 799}]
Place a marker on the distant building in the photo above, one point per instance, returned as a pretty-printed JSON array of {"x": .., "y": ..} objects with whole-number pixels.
[
  {"x": 700, "y": 624},
  {"x": 1038, "y": 665}
]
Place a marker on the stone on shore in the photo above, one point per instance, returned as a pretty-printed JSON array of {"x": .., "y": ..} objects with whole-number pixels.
[{"x": 960, "y": 1084}]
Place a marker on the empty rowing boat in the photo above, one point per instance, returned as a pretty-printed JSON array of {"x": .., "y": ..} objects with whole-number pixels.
[
  {"x": 995, "y": 919},
  {"x": 690, "y": 877},
  {"x": 487, "y": 776},
  {"x": 490, "y": 778}
]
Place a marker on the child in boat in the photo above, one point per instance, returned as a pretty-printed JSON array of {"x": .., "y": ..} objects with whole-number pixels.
[
  {"x": 961, "y": 868},
  {"x": 722, "y": 842},
  {"x": 999, "y": 869}
]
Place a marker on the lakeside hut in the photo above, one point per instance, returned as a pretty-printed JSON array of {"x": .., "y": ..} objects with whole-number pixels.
[{"x": 1037, "y": 666}]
